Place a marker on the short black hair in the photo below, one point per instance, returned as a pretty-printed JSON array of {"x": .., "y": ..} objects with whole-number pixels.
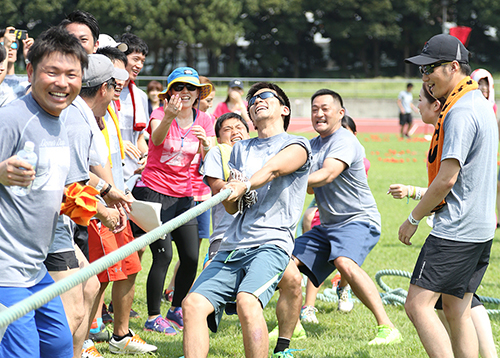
[
  {"x": 348, "y": 122},
  {"x": 409, "y": 84},
  {"x": 134, "y": 43},
  {"x": 465, "y": 68},
  {"x": 327, "y": 92},
  {"x": 226, "y": 116},
  {"x": 85, "y": 18},
  {"x": 281, "y": 94},
  {"x": 113, "y": 54},
  {"x": 56, "y": 39},
  {"x": 3, "y": 53}
]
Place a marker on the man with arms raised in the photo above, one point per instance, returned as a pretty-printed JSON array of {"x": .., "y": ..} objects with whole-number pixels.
[
  {"x": 462, "y": 184},
  {"x": 256, "y": 248}
]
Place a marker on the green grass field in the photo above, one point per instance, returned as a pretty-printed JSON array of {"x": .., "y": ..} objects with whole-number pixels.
[{"x": 343, "y": 335}]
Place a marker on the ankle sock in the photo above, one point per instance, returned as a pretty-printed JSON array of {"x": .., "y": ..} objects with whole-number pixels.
[
  {"x": 282, "y": 344},
  {"x": 119, "y": 338},
  {"x": 97, "y": 328}
]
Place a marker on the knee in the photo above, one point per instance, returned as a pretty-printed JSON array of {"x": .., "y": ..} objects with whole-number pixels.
[
  {"x": 248, "y": 306},
  {"x": 195, "y": 305},
  {"x": 291, "y": 281},
  {"x": 410, "y": 309},
  {"x": 91, "y": 290},
  {"x": 346, "y": 266}
]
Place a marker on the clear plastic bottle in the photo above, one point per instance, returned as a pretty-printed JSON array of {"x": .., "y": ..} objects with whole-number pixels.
[{"x": 27, "y": 155}]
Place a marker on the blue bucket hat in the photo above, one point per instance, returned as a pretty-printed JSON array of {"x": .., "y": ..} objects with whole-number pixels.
[{"x": 186, "y": 75}]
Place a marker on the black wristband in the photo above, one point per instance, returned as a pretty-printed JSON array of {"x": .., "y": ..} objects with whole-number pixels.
[{"x": 105, "y": 191}]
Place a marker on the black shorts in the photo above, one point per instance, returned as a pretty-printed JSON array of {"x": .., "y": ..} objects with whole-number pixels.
[
  {"x": 61, "y": 261},
  {"x": 475, "y": 302},
  {"x": 405, "y": 118},
  {"x": 139, "y": 193},
  {"x": 214, "y": 248},
  {"x": 171, "y": 207},
  {"x": 451, "y": 267}
]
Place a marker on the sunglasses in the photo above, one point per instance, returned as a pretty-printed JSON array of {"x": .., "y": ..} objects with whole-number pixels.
[
  {"x": 428, "y": 69},
  {"x": 264, "y": 95},
  {"x": 13, "y": 45},
  {"x": 178, "y": 87}
]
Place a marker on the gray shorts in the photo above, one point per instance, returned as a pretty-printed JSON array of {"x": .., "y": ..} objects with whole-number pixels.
[{"x": 256, "y": 270}]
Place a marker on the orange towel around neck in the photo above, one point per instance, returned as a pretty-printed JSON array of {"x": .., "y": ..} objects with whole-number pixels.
[{"x": 436, "y": 149}]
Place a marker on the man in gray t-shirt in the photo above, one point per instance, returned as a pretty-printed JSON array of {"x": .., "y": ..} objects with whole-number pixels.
[
  {"x": 462, "y": 175},
  {"x": 255, "y": 248},
  {"x": 27, "y": 223},
  {"x": 350, "y": 221}
]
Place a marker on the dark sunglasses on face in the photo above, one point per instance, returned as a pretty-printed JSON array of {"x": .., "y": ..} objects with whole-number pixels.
[
  {"x": 178, "y": 87},
  {"x": 264, "y": 95},
  {"x": 428, "y": 69}
]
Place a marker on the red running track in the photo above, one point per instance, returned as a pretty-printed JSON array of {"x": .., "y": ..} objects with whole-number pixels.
[{"x": 366, "y": 125}]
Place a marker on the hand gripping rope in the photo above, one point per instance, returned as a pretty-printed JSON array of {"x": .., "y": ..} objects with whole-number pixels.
[{"x": 40, "y": 298}]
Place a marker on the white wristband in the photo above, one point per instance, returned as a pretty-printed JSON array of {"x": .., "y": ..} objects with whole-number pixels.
[
  {"x": 249, "y": 185},
  {"x": 412, "y": 220},
  {"x": 100, "y": 185}
]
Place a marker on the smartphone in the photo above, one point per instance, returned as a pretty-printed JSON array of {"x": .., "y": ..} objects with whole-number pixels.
[{"x": 20, "y": 34}]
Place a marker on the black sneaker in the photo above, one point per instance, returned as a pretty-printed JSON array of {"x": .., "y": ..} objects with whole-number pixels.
[{"x": 106, "y": 317}]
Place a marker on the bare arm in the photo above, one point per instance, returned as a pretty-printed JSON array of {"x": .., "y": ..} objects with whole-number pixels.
[
  {"x": 439, "y": 188},
  {"x": 285, "y": 162},
  {"x": 400, "y": 191},
  {"x": 331, "y": 169}
]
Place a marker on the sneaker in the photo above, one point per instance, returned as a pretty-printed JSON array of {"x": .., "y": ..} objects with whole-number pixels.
[
  {"x": 175, "y": 317},
  {"x": 130, "y": 345},
  {"x": 106, "y": 317},
  {"x": 104, "y": 335},
  {"x": 89, "y": 350},
  {"x": 298, "y": 333},
  {"x": 345, "y": 300},
  {"x": 161, "y": 325},
  {"x": 386, "y": 336},
  {"x": 287, "y": 353},
  {"x": 168, "y": 295},
  {"x": 308, "y": 314}
]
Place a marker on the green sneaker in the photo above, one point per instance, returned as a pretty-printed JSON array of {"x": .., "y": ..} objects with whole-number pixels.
[
  {"x": 298, "y": 333},
  {"x": 287, "y": 353},
  {"x": 386, "y": 336}
]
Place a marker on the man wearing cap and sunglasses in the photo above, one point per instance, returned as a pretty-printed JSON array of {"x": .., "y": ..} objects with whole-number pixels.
[{"x": 462, "y": 183}]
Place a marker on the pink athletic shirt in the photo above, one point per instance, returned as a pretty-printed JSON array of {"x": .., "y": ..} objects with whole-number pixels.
[{"x": 167, "y": 169}]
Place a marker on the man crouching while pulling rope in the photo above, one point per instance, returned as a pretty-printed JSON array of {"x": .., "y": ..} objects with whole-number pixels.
[{"x": 269, "y": 195}]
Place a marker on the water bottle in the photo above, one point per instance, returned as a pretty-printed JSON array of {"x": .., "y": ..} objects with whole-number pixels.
[{"x": 27, "y": 155}]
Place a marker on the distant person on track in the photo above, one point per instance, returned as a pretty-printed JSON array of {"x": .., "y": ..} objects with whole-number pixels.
[{"x": 405, "y": 104}]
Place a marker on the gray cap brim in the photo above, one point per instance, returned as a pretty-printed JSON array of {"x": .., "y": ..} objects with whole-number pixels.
[{"x": 120, "y": 74}]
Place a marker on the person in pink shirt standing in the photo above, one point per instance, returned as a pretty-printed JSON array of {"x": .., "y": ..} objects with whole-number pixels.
[
  {"x": 234, "y": 101},
  {"x": 177, "y": 132}
]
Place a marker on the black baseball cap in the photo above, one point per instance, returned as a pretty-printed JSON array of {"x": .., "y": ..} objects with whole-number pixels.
[
  {"x": 236, "y": 83},
  {"x": 441, "y": 48}
]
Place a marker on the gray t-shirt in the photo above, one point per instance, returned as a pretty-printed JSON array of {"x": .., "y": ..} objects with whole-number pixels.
[
  {"x": 273, "y": 219},
  {"x": 348, "y": 197},
  {"x": 12, "y": 88},
  {"x": 471, "y": 137},
  {"x": 80, "y": 140},
  {"x": 221, "y": 219},
  {"x": 126, "y": 116},
  {"x": 27, "y": 223}
]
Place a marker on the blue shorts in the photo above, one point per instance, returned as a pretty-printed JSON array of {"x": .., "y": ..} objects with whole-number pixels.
[
  {"x": 203, "y": 223},
  {"x": 256, "y": 270},
  {"x": 320, "y": 246},
  {"x": 40, "y": 333}
]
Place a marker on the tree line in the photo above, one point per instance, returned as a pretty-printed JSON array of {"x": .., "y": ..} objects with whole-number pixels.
[{"x": 276, "y": 38}]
